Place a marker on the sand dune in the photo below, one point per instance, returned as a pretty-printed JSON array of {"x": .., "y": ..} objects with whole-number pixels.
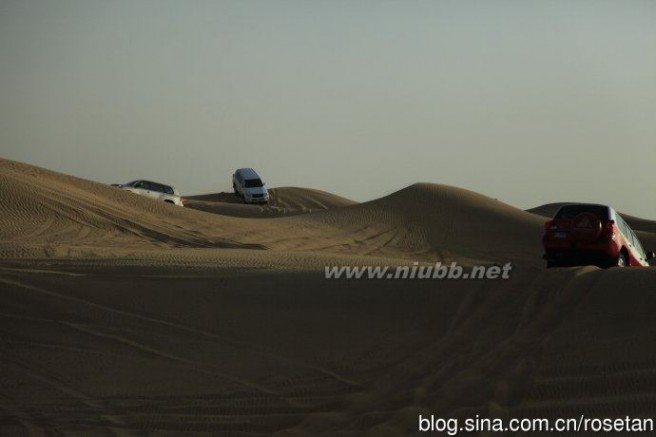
[
  {"x": 122, "y": 315},
  {"x": 44, "y": 213},
  {"x": 284, "y": 201},
  {"x": 441, "y": 222},
  {"x": 171, "y": 350}
]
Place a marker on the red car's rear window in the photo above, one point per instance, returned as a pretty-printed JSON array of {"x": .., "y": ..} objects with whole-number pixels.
[{"x": 571, "y": 211}]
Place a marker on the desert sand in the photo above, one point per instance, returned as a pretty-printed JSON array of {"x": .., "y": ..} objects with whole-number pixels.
[{"x": 125, "y": 316}]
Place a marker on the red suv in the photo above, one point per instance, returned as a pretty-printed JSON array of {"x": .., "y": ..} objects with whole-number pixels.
[{"x": 584, "y": 233}]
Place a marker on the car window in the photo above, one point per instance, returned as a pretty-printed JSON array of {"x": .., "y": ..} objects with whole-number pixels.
[
  {"x": 166, "y": 189},
  {"x": 624, "y": 228},
  {"x": 252, "y": 183},
  {"x": 630, "y": 236},
  {"x": 571, "y": 211},
  {"x": 634, "y": 239}
]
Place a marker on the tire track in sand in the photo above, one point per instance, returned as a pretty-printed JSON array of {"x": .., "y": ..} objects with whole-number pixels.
[{"x": 189, "y": 329}]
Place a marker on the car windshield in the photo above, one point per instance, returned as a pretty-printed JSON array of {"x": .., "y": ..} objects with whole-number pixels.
[
  {"x": 253, "y": 183},
  {"x": 571, "y": 211}
]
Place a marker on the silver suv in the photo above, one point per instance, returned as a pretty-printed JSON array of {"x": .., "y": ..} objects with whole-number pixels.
[
  {"x": 154, "y": 190},
  {"x": 248, "y": 185}
]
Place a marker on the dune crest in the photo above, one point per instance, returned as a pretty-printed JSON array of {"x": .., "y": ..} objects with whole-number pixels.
[
  {"x": 49, "y": 212},
  {"x": 284, "y": 201}
]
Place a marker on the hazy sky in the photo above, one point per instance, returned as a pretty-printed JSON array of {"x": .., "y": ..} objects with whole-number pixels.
[{"x": 527, "y": 101}]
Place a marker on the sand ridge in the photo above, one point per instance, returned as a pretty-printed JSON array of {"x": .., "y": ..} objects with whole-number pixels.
[
  {"x": 283, "y": 201},
  {"x": 46, "y": 212}
]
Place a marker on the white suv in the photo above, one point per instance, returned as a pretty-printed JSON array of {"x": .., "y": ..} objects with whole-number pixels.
[
  {"x": 155, "y": 190},
  {"x": 247, "y": 184}
]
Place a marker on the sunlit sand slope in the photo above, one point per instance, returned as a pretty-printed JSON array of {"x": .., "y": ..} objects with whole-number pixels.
[{"x": 48, "y": 214}]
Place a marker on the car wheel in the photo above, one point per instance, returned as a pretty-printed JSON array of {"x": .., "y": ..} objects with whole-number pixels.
[{"x": 621, "y": 260}]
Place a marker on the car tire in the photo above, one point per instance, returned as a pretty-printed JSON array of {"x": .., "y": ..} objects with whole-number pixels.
[{"x": 621, "y": 260}]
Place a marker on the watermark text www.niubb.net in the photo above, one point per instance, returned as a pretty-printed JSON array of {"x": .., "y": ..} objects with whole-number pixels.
[{"x": 419, "y": 271}]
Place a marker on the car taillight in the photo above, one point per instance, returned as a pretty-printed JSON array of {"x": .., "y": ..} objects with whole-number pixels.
[
  {"x": 550, "y": 225},
  {"x": 609, "y": 229}
]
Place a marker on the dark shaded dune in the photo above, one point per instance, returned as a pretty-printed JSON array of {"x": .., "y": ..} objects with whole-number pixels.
[
  {"x": 599, "y": 361},
  {"x": 563, "y": 343},
  {"x": 640, "y": 224},
  {"x": 648, "y": 241},
  {"x": 231, "y": 354}
]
